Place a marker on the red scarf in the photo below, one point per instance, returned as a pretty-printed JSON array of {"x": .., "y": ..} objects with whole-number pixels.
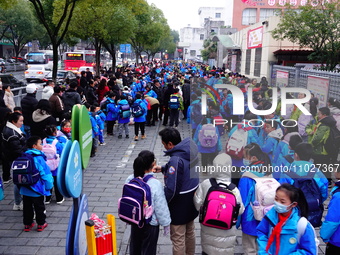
[{"x": 277, "y": 231}]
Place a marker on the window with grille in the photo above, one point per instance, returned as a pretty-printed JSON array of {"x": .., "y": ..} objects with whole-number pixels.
[
  {"x": 248, "y": 59},
  {"x": 258, "y": 57},
  {"x": 249, "y": 16}
]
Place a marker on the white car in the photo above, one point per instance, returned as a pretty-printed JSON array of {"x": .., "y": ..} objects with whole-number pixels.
[
  {"x": 83, "y": 68},
  {"x": 36, "y": 72}
]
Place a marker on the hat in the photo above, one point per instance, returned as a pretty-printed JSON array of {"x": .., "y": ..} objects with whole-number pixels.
[
  {"x": 126, "y": 88},
  {"x": 31, "y": 88}
]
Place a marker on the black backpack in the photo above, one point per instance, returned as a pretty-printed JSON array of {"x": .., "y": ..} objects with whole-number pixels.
[
  {"x": 103, "y": 106},
  {"x": 332, "y": 144},
  {"x": 311, "y": 190}
]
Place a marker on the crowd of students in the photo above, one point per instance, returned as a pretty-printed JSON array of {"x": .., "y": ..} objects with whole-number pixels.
[{"x": 143, "y": 95}]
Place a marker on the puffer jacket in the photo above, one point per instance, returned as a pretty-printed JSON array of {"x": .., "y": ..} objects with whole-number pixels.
[
  {"x": 47, "y": 92},
  {"x": 13, "y": 142},
  {"x": 41, "y": 119},
  {"x": 145, "y": 109},
  {"x": 70, "y": 98},
  {"x": 45, "y": 184},
  {"x": 271, "y": 142},
  {"x": 282, "y": 149},
  {"x": 335, "y": 112},
  {"x": 29, "y": 105},
  {"x": 213, "y": 240}
]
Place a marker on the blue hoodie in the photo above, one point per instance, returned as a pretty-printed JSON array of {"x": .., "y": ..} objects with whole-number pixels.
[
  {"x": 112, "y": 110},
  {"x": 330, "y": 229},
  {"x": 95, "y": 129},
  {"x": 151, "y": 93},
  {"x": 289, "y": 243},
  {"x": 45, "y": 184}
]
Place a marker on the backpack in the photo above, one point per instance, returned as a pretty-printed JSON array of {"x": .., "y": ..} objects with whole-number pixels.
[
  {"x": 237, "y": 142},
  {"x": 135, "y": 205},
  {"x": 226, "y": 108},
  {"x": 174, "y": 102},
  {"x": 1, "y": 190},
  {"x": 129, "y": 98},
  {"x": 195, "y": 113},
  {"x": 332, "y": 143},
  {"x": 311, "y": 190},
  {"x": 125, "y": 111},
  {"x": 207, "y": 136},
  {"x": 24, "y": 170},
  {"x": 137, "y": 110},
  {"x": 265, "y": 191},
  {"x": 52, "y": 157},
  {"x": 301, "y": 229},
  {"x": 220, "y": 208},
  {"x": 103, "y": 106}
]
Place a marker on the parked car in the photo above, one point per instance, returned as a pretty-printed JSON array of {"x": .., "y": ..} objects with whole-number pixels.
[
  {"x": 9, "y": 79},
  {"x": 83, "y": 68},
  {"x": 62, "y": 77},
  {"x": 36, "y": 72}
]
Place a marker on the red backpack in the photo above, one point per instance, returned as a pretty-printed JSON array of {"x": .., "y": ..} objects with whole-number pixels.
[{"x": 220, "y": 208}]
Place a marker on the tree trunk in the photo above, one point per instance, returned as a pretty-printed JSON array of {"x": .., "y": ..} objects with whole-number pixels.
[
  {"x": 55, "y": 61},
  {"x": 97, "y": 46}
]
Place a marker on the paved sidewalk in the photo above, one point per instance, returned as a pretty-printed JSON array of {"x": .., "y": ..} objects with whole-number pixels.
[{"x": 103, "y": 182}]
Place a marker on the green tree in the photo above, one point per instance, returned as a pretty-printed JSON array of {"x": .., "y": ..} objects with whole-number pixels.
[
  {"x": 18, "y": 25},
  {"x": 313, "y": 27},
  {"x": 210, "y": 50},
  {"x": 55, "y": 16}
]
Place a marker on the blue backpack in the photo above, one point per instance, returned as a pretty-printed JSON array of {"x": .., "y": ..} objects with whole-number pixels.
[
  {"x": 311, "y": 190},
  {"x": 125, "y": 111},
  {"x": 196, "y": 113},
  {"x": 174, "y": 102},
  {"x": 24, "y": 170},
  {"x": 135, "y": 205},
  {"x": 137, "y": 110}
]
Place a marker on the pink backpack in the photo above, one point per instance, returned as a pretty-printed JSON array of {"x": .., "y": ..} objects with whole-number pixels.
[
  {"x": 220, "y": 208},
  {"x": 52, "y": 157},
  {"x": 207, "y": 136}
]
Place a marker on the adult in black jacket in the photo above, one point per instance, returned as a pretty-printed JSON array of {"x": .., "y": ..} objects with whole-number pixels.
[
  {"x": 71, "y": 97},
  {"x": 166, "y": 99},
  {"x": 83, "y": 80},
  {"x": 29, "y": 105},
  {"x": 160, "y": 96},
  {"x": 41, "y": 118},
  {"x": 13, "y": 143},
  {"x": 90, "y": 93},
  {"x": 186, "y": 97}
]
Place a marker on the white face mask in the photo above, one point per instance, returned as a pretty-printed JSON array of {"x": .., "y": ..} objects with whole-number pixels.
[{"x": 280, "y": 208}]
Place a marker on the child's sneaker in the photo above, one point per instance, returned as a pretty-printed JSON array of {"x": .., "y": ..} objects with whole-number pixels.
[
  {"x": 48, "y": 201},
  {"x": 102, "y": 144},
  {"x": 42, "y": 227},
  {"x": 61, "y": 201},
  {"x": 18, "y": 207},
  {"x": 29, "y": 227}
]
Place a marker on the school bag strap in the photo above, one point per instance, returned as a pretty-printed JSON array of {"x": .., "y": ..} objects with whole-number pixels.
[
  {"x": 148, "y": 177},
  {"x": 214, "y": 183},
  {"x": 289, "y": 158},
  {"x": 294, "y": 175},
  {"x": 301, "y": 229}
]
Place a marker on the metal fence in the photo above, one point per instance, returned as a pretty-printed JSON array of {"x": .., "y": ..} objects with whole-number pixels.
[
  {"x": 298, "y": 77},
  {"x": 20, "y": 92}
]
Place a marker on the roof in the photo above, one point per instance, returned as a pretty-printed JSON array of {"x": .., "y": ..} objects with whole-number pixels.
[
  {"x": 226, "y": 41},
  {"x": 292, "y": 51}
]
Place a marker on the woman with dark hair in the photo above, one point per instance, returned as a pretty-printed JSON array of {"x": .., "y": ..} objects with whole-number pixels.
[
  {"x": 41, "y": 118},
  {"x": 144, "y": 240},
  {"x": 285, "y": 229},
  {"x": 102, "y": 89},
  {"x": 13, "y": 145}
]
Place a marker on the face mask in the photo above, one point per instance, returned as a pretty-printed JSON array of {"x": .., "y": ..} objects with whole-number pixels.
[
  {"x": 280, "y": 208},
  {"x": 67, "y": 130},
  {"x": 246, "y": 162}
]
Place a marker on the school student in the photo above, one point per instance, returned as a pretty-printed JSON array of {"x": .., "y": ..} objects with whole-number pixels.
[
  {"x": 274, "y": 135},
  {"x": 285, "y": 229},
  {"x": 33, "y": 196},
  {"x": 216, "y": 241},
  {"x": 123, "y": 117},
  {"x": 255, "y": 161},
  {"x": 330, "y": 229},
  {"x": 51, "y": 132},
  {"x": 140, "y": 120},
  {"x": 143, "y": 241}
]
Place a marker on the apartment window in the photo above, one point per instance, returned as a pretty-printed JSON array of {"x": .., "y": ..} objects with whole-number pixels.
[
  {"x": 201, "y": 37},
  {"x": 267, "y": 13},
  {"x": 206, "y": 20},
  {"x": 248, "y": 59},
  {"x": 249, "y": 16},
  {"x": 217, "y": 15},
  {"x": 193, "y": 53},
  {"x": 257, "y": 66}
]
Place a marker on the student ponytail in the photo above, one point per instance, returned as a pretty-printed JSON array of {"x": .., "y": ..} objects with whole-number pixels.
[
  {"x": 142, "y": 163},
  {"x": 296, "y": 195},
  {"x": 254, "y": 149}
]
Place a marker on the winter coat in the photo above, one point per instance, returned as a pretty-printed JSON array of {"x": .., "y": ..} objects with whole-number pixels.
[
  {"x": 160, "y": 94},
  {"x": 90, "y": 95},
  {"x": 321, "y": 134},
  {"x": 302, "y": 168},
  {"x": 47, "y": 92},
  {"x": 101, "y": 93},
  {"x": 213, "y": 240},
  {"x": 40, "y": 120},
  {"x": 181, "y": 181},
  {"x": 271, "y": 142},
  {"x": 112, "y": 110},
  {"x": 57, "y": 106},
  {"x": 95, "y": 128},
  {"x": 29, "y": 105},
  {"x": 330, "y": 229},
  {"x": 145, "y": 109},
  {"x": 151, "y": 100},
  {"x": 13, "y": 142},
  {"x": 161, "y": 213},
  {"x": 289, "y": 243},
  {"x": 45, "y": 184},
  {"x": 9, "y": 100},
  {"x": 152, "y": 93},
  {"x": 335, "y": 112},
  {"x": 303, "y": 121},
  {"x": 282, "y": 149},
  {"x": 70, "y": 98}
]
